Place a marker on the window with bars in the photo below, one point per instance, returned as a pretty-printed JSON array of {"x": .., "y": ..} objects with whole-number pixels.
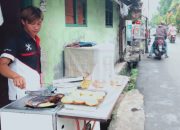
[
  {"x": 75, "y": 12},
  {"x": 109, "y": 13}
]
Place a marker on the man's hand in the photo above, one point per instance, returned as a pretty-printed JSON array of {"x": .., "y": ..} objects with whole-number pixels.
[{"x": 19, "y": 81}]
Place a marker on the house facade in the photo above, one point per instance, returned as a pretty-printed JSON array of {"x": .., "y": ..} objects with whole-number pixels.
[
  {"x": 65, "y": 22},
  {"x": 68, "y": 21}
]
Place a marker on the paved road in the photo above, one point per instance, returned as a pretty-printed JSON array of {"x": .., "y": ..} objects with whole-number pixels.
[{"x": 159, "y": 81}]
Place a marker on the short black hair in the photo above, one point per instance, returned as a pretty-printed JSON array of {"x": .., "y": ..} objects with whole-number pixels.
[{"x": 30, "y": 14}]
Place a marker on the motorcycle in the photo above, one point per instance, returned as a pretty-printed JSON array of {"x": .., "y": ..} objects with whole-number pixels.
[
  {"x": 159, "y": 47},
  {"x": 172, "y": 35},
  {"x": 172, "y": 38}
]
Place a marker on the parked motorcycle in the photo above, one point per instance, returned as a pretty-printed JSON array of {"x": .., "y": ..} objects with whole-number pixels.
[{"x": 159, "y": 47}]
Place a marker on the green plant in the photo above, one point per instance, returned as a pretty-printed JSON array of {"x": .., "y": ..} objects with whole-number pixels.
[{"x": 132, "y": 82}]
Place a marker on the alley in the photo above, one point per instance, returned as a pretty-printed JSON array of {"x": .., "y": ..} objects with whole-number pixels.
[{"x": 159, "y": 82}]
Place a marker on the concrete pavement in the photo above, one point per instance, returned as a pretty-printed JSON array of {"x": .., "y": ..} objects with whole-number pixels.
[
  {"x": 128, "y": 113},
  {"x": 159, "y": 82}
]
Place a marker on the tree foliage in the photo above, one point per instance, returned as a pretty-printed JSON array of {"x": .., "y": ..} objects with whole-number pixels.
[
  {"x": 168, "y": 11},
  {"x": 178, "y": 18},
  {"x": 164, "y": 6},
  {"x": 156, "y": 19}
]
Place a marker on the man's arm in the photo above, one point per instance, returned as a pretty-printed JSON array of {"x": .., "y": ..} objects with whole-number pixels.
[{"x": 18, "y": 80}]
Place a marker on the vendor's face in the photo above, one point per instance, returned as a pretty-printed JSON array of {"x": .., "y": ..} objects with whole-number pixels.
[{"x": 32, "y": 28}]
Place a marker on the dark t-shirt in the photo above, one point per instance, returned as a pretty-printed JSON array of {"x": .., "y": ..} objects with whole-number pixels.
[{"x": 24, "y": 48}]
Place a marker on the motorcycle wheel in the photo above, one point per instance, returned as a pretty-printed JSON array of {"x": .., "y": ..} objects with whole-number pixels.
[
  {"x": 172, "y": 40},
  {"x": 159, "y": 57}
]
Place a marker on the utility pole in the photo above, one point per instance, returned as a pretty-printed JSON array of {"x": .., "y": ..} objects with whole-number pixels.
[
  {"x": 146, "y": 41},
  {"x": 148, "y": 9},
  {"x": 146, "y": 38}
]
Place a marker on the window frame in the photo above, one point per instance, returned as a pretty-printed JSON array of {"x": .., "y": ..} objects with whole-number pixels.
[
  {"x": 75, "y": 16},
  {"x": 108, "y": 13}
]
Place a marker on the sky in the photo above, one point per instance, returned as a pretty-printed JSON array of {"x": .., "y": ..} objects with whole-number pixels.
[{"x": 153, "y": 4}]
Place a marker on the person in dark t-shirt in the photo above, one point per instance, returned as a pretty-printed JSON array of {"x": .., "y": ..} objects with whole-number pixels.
[{"x": 20, "y": 58}]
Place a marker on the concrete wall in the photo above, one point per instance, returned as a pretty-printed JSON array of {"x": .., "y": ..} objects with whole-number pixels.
[{"x": 55, "y": 34}]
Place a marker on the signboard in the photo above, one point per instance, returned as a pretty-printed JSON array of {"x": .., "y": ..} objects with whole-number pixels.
[
  {"x": 128, "y": 30},
  {"x": 138, "y": 31}
]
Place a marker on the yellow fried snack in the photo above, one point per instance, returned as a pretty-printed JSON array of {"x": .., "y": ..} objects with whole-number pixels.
[
  {"x": 46, "y": 104},
  {"x": 91, "y": 102},
  {"x": 67, "y": 99},
  {"x": 100, "y": 93},
  {"x": 79, "y": 100},
  {"x": 97, "y": 84},
  {"x": 85, "y": 83}
]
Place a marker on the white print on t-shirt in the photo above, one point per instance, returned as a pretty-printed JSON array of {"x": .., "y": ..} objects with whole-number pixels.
[
  {"x": 7, "y": 50},
  {"x": 28, "y": 47}
]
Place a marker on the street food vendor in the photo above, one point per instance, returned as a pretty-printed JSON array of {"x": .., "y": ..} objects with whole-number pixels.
[{"x": 20, "y": 58}]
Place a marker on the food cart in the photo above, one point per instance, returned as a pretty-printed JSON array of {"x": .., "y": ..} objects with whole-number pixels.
[{"x": 63, "y": 116}]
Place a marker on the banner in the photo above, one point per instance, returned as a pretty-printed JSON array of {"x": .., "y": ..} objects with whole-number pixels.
[
  {"x": 138, "y": 31},
  {"x": 128, "y": 30}
]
